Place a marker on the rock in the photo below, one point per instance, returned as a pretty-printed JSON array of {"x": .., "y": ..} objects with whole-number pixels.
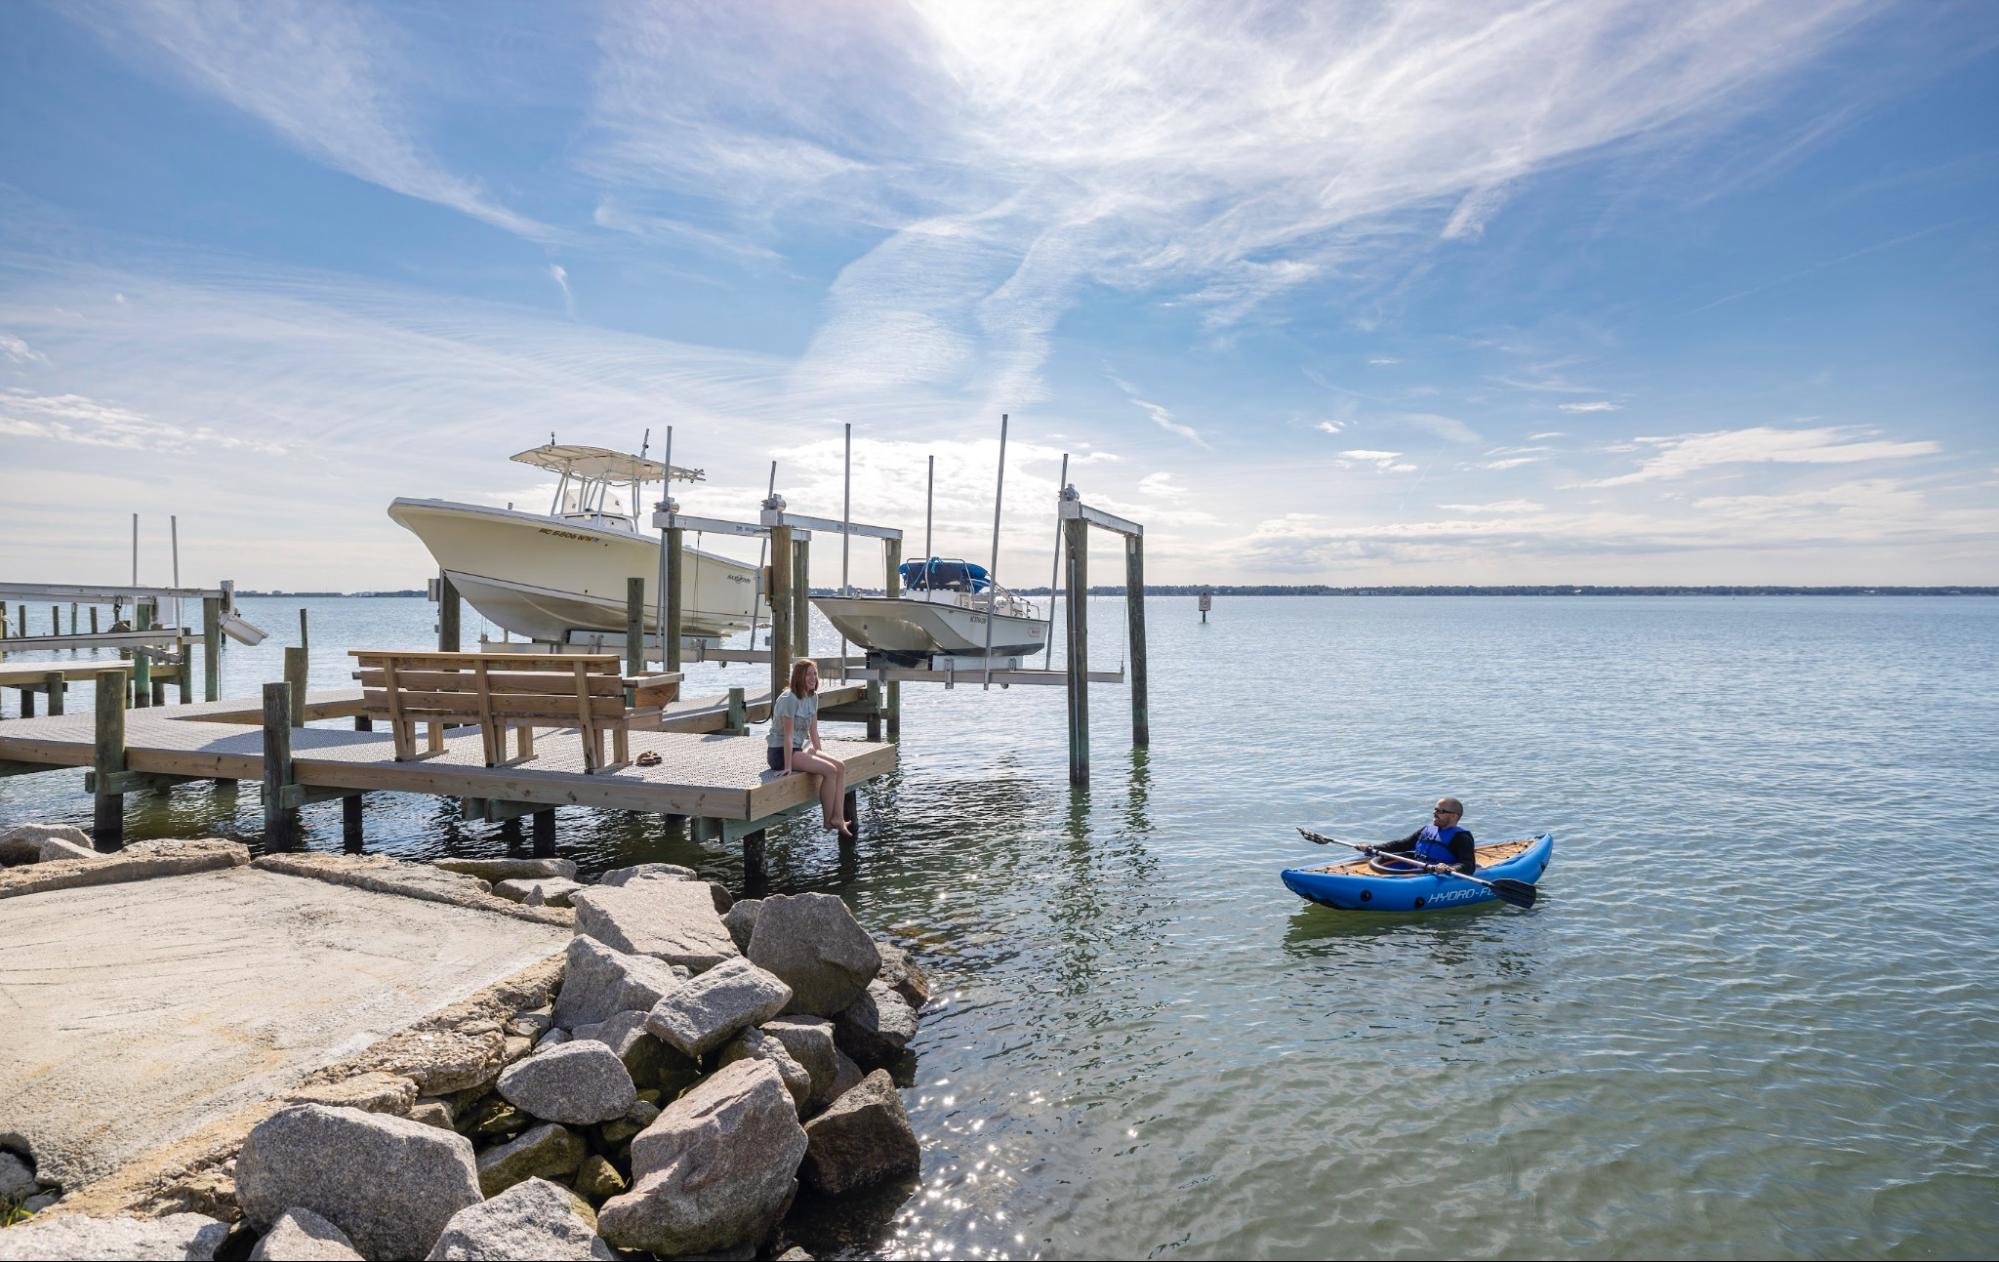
[
  {"x": 876, "y": 1029},
  {"x": 41, "y": 843},
  {"x": 389, "y": 1183},
  {"x": 598, "y": 1180},
  {"x": 715, "y": 1171},
  {"x": 600, "y": 981},
  {"x": 579, "y": 1083},
  {"x": 707, "y": 1010},
  {"x": 862, "y": 1138},
  {"x": 809, "y": 1040},
  {"x": 554, "y": 1038},
  {"x": 17, "y": 1180},
  {"x": 755, "y": 1044},
  {"x": 529, "y": 1025},
  {"x": 643, "y": 1055},
  {"x": 36, "y": 1204},
  {"x": 641, "y": 1115},
  {"x": 300, "y": 1235},
  {"x": 512, "y": 1048},
  {"x": 741, "y": 922},
  {"x": 546, "y": 1152},
  {"x": 552, "y": 891},
  {"x": 496, "y": 1117},
  {"x": 140, "y": 861},
  {"x": 673, "y": 921},
  {"x": 374, "y": 1092},
  {"x": 903, "y": 975},
  {"x": 124, "y": 1237},
  {"x": 510, "y": 869},
  {"x": 846, "y": 1076},
  {"x": 815, "y": 945},
  {"x": 535, "y": 1219},
  {"x": 647, "y": 871},
  {"x": 794, "y": 1254},
  {"x": 432, "y": 1111}
]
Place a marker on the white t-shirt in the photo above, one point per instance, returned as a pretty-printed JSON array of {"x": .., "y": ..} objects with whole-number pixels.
[{"x": 801, "y": 711}]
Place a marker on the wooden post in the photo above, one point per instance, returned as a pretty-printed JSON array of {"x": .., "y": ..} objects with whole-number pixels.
[
  {"x": 280, "y": 825},
  {"x": 142, "y": 666},
  {"x": 55, "y": 620},
  {"x": 72, "y": 617},
  {"x": 781, "y": 610},
  {"x": 1075, "y": 548},
  {"x": 364, "y": 723},
  {"x": 872, "y": 699},
  {"x": 350, "y": 823},
  {"x": 93, "y": 620},
  {"x": 108, "y": 757},
  {"x": 754, "y": 875},
  {"x": 670, "y": 633},
  {"x": 544, "y": 834},
  {"x": 1134, "y": 609},
  {"x": 801, "y": 601},
  {"x": 635, "y": 626},
  {"x": 295, "y": 672},
  {"x": 892, "y": 587},
  {"x": 304, "y": 636},
  {"x": 3, "y": 620},
  {"x": 851, "y": 807},
  {"x": 211, "y": 646},
  {"x": 53, "y": 681},
  {"x": 447, "y": 615},
  {"x": 27, "y": 703},
  {"x": 738, "y": 717}
]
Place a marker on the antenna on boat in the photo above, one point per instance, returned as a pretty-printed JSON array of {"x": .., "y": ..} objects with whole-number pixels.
[
  {"x": 1055, "y": 570},
  {"x": 763, "y": 542},
  {"x": 992, "y": 573},
  {"x": 929, "y": 493}
]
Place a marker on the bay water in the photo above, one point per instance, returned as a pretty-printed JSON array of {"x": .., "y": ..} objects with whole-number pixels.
[{"x": 1755, "y": 1013}]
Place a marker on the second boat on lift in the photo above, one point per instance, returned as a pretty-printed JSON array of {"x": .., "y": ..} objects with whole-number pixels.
[{"x": 943, "y": 611}]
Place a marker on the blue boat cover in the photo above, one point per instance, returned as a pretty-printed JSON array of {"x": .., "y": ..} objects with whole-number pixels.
[{"x": 937, "y": 574}]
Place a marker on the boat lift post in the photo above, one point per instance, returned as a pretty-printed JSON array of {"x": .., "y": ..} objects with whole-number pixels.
[{"x": 1077, "y": 518}]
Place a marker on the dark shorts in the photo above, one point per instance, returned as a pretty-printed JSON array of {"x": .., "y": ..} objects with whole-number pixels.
[{"x": 776, "y": 757}]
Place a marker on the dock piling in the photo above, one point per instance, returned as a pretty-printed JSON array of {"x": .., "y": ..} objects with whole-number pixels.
[
  {"x": 544, "y": 834},
  {"x": 755, "y": 878},
  {"x": 781, "y": 611},
  {"x": 142, "y": 666},
  {"x": 1134, "y": 606},
  {"x": 801, "y": 600},
  {"x": 635, "y": 626},
  {"x": 211, "y": 646},
  {"x": 108, "y": 758},
  {"x": 738, "y": 721},
  {"x": 350, "y": 823},
  {"x": 891, "y": 588},
  {"x": 295, "y": 675},
  {"x": 1076, "y": 549},
  {"x": 53, "y": 684},
  {"x": 670, "y": 633},
  {"x": 447, "y": 614},
  {"x": 280, "y": 823}
]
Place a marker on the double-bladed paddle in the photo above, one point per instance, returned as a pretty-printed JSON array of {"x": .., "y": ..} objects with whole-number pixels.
[{"x": 1507, "y": 890}]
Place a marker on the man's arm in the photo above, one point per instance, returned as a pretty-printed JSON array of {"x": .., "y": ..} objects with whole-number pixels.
[
  {"x": 1405, "y": 846},
  {"x": 1464, "y": 852}
]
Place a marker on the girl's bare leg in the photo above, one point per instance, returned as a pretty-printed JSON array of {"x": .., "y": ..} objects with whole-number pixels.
[{"x": 831, "y": 781}]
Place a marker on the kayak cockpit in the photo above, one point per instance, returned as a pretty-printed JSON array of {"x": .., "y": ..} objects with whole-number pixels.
[{"x": 1491, "y": 855}]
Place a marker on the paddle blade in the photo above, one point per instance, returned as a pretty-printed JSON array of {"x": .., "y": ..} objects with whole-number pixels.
[{"x": 1518, "y": 893}]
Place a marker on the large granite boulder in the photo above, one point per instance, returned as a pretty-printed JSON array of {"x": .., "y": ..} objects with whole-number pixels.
[
  {"x": 174, "y": 1236},
  {"x": 545, "y": 1152},
  {"x": 816, "y": 946},
  {"x": 876, "y": 1028},
  {"x": 43, "y": 843},
  {"x": 580, "y": 1082},
  {"x": 715, "y": 1171},
  {"x": 389, "y": 1183},
  {"x": 754, "y": 1044},
  {"x": 741, "y": 921},
  {"x": 300, "y": 1235},
  {"x": 599, "y": 982},
  {"x": 510, "y": 869},
  {"x": 538, "y": 891},
  {"x": 17, "y": 1178},
  {"x": 903, "y": 975},
  {"x": 708, "y": 1010},
  {"x": 809, "y": 1041},
  {"x": 675, "y": 921},
  {"x": 862, "y": 1138},
  {"x": 645, "y": 871},
  {"x": 645, "y": 1057},
  {"x": 534, "y": 1219}
]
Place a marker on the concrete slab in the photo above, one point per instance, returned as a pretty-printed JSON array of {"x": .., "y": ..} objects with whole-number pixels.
[{"x": 132, "y": 1015}]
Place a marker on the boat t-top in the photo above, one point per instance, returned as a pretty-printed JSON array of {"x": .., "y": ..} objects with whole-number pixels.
[
  {"x": 559, "y": 577},
  {"x": 942, "y": 612}
]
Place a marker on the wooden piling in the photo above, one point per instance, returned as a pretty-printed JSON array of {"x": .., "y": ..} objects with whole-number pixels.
[
  {"x": 1076, "y": 554},
  {"x": 850, "y": 806},
  {"x": 53, "y": 682},
  {"x": 142, "y": 666},
  {"x": 447, "y": 615},
  {"x": 27, "y": 703},
  {"x": 93, "y": 620},
  {"x": 675, "y": 586},
  {"x": 108, "y": 758},
  {"x": 892, "y": 587},
  {"x": 738, "y": 720},
  {"x": 781, "y": 611},
  {"x": 872, "y": 700},
  {"x": 295, "y": 678},
  {"x": 280, "y": 824},
  {"x": 350, "y": 823},
  {"x": 1134, "y": 608},
  {"x": 635, "y": 626},
  {"x": 755, "y": 877},
  {"x": 544, "y": 834},
  {"x": 72, "y": 617},
  {"x": 801, "y": 601},
  {"x": 211, "y": 646}
]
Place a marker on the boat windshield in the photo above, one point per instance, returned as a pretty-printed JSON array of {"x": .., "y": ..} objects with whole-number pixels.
[{"x": 940, "y": 575}]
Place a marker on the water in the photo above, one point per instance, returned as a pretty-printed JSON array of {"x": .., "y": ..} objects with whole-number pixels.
[{"x": 1755, "y": 1013}]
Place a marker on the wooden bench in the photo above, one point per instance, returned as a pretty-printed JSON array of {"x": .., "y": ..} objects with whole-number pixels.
[{"x": 497, "y": 691}]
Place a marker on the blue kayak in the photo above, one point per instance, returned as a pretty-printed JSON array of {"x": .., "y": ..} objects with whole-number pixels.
[{"x": 1359, "y": 886}]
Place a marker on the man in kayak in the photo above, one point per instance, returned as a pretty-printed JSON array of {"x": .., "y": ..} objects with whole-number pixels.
[{"x": 1438, "y": 844}]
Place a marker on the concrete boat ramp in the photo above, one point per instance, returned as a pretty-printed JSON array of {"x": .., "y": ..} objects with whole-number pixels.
[{"x": 139, "y": 1015}]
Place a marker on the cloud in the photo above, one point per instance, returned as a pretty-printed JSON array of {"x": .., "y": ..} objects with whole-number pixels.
[
  {"x": 1448, "y": 428},
  {"x": 1384, "y": 461},
  {"x": 1372, "y": 455},
  {"x": 1512, "y": 462},
  {"x": 1495, "y": 506},
  {"x": 1468, "y": 221},
  {"x": 20, "y": 352},
  {"x": 1600, "y": 405},
  {"x": 560, "y": 276},
  {"x": 319, "y": 74},
  {"x": 1553, "y": 433},
  {"x": 1384, "y": 361},
  {"x": 1329, "y": 427},
  {"x": 85, "y": 422},
  {"x": 1678, "y": 455},
  {"x": 1160, "y": 416}
]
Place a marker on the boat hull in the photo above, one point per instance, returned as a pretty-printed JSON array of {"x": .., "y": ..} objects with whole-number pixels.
[
  {"x": 545, "y": 579},
  {"x": 1348, "y": 889},
  {"x": 911, "y": 628}
]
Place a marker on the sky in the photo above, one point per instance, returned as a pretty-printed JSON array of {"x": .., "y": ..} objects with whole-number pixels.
[{"x": 1589, "y": 291}]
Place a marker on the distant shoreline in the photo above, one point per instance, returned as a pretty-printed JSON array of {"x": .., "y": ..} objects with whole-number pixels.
[{"x": 1563, "y": 589}]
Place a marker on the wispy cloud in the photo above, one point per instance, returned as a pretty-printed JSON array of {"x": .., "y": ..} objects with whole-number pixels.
[
  {"x": 323, "y": 75},
  {"x": 1598, "y": 405},
  {"x": 1545, "y": 435},
  {"x": 1678, "y": 455},
  {"x": 1385, "y": 461},
  {"x": 19, "y": 352},
  {"x": 85, "y": 422},
  {"x": 1160, "y": 416},
  {"x": 560, "y": 275},
  {"x": 1329, "y": 427}
]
